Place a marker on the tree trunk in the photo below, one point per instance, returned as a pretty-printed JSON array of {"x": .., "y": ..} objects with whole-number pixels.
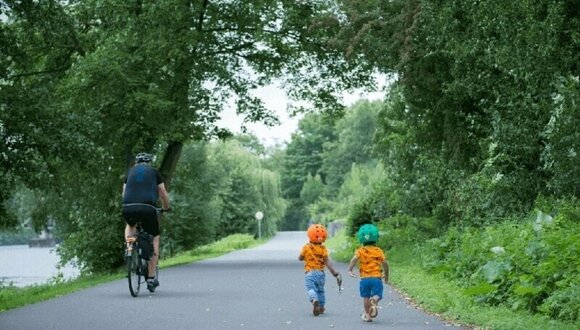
[{"x": 170, "y": 159}]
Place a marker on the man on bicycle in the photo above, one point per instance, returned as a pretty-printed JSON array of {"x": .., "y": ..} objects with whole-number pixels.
[{"x": 142, "y": 188}]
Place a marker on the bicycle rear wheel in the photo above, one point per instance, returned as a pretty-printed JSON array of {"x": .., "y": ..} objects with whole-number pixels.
[{"x": 134, "y": 273}]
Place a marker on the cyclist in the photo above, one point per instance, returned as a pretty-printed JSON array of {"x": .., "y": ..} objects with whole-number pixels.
[{"x": 142, "y": 187}]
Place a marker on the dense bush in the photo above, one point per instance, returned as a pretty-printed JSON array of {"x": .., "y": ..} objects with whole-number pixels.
[
  {"x": 403, "y": 230},
  {"x": 528, "y": 264}
]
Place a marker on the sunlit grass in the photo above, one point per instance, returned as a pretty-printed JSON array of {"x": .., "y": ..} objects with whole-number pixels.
[{"x": 13, "y": 297}]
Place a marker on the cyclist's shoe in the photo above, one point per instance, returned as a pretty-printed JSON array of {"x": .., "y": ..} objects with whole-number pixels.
[{"x": 152, "y": 284}]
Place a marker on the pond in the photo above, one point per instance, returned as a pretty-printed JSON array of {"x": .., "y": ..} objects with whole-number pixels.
[{"x": 22, "y": 266}]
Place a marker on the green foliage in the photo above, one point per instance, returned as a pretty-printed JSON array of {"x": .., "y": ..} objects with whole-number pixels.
[
  {"x": 341, "y": 246},
  {"x": 563, "y": 139},
  {"x": 529, "y": 264},
  {"x": 480, "y": 120},
  {"x": 439, "y": 294},
  {"x": 312, "y": 189},
  {"x": 85, "y": 85},
  {"x": 195, "y": 207},
  {"x": 353, "y": 146},
  {"x": 448, "y": 298},
  {"x": 303, "y": 158},
  {"x": 403, "y": 230},
  {"x": 227, "y": 244},
  {"x": 241, "y": 188}
]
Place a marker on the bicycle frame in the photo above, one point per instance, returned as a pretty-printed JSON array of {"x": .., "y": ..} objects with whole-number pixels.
[{"x": 137, "y": 267}]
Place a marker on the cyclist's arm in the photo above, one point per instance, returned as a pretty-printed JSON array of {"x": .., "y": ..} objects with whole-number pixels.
[{"x": 163, "y": 195}]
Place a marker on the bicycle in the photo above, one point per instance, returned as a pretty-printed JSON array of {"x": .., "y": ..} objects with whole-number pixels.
[{"x": 137, "y": 262}]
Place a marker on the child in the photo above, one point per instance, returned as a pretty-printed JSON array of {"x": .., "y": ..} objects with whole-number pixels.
[
  {"x": 373, "y": 266},
  {"x": 315, "y": 257}
]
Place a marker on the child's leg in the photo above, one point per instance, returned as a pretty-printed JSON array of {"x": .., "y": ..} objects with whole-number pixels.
[
  {"x": 320, "y": 289},
  {"x": 375, "y": 296},
  {"x": 365, "y": 293},
  {"x": 310, "y": 284},
  {"x": 367, "y": 304}
]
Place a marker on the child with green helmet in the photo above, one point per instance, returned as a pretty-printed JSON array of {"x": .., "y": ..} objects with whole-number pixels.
[{"x": 373, "y": 267}]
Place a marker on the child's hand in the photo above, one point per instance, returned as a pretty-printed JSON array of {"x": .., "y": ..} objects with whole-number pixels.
[
  {"x": 351, "y": 274},
  {"x": 386, "y": 279}
]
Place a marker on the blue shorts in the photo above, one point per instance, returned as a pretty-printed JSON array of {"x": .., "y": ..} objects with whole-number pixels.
[{"x": 371, "y": 286}]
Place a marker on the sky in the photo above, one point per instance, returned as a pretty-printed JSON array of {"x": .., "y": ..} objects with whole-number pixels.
[{"x": 275, "y": 99}]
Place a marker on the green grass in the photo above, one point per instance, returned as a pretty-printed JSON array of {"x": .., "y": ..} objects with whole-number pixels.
[
  {"x": 12, "y": 297},
  {"x": 444, "y": 298}
]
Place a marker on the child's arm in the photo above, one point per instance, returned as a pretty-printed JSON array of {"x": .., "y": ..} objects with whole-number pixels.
[
  {"x": 328, "y": 264},
  {"x": 386, "y": 271},
  {"x": 353, "y": 262}
]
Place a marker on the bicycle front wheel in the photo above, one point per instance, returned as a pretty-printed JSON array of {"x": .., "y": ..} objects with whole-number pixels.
[{"x": 134, "y": 273}]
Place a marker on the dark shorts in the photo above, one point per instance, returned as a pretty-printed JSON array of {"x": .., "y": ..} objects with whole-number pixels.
[{"x": 146, "y": 215}]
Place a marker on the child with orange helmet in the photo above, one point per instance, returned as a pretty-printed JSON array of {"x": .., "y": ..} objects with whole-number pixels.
[{"x": 315, "y": 257}]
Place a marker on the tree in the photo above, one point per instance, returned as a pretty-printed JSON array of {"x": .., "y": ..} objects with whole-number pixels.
[
  {"x": 303, "y": 158},
  {"x": 86, "y": 85},
  {"x": 355, "y": 133},
  {"x": 476, "y": 82}
]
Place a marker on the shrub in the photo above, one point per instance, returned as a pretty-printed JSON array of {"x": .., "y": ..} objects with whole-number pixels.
[{"x": 529, "y": 264}]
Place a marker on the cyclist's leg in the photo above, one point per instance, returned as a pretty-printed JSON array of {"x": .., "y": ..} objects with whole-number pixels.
[
  {"x": 130, "y": 230},
  {"x": 151, "y": 226},
  {"x": 154, "y": 258},
  {"x": 130, "y": 222}
]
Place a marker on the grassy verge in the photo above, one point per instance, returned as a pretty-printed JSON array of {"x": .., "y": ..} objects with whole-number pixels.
[
  {"x": 444, "y": 298},
  {"x": 12, "y": 297}
]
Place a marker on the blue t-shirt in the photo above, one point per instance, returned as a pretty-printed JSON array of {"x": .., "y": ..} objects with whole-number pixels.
[{"x": 141, "y": 185}]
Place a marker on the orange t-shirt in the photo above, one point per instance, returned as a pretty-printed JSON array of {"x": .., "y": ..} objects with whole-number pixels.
[
  {"x": 314, "y": 256},
  {"x": 371, "y": 260}
]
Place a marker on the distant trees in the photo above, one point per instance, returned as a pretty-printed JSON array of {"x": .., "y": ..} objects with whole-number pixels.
[
  {"x": 217, "y": 191},
  {"x": 319, "y": 159}
]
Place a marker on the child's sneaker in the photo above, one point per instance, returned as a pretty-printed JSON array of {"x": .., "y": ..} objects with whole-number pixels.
[
  {"x": 316, "y": 307},
  {"x": 373, "y": 310},
  {"x": 365, "y": 317}
]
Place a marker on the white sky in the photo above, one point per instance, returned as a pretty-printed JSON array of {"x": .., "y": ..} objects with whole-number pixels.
[{"x": 275, "y": 100}]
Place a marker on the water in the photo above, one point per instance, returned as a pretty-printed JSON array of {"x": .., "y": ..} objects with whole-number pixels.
[{"x": 23, "y": 266}]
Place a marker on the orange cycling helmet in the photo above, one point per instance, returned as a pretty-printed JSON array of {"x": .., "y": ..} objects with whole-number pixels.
[{"x": 316, "y": 233}]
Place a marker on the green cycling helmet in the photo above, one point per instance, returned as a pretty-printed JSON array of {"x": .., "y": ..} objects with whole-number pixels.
[{"x": 368, "y": 233}]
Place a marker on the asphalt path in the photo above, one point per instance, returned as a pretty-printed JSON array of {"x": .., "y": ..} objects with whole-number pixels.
[{"x": 258, "y": 288}]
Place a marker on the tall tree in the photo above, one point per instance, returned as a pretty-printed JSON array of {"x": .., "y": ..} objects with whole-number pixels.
[{"x": 86, "y": 84}]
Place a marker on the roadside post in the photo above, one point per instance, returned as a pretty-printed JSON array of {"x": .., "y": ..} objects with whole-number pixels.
[{"x": 259, "y": 216}]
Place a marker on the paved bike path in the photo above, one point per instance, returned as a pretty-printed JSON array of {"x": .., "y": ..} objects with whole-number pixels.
[{"x": 259, "y": 288}]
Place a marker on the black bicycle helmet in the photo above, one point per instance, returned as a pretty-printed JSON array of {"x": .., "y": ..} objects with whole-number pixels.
[{"x": 143, "y": 157}]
